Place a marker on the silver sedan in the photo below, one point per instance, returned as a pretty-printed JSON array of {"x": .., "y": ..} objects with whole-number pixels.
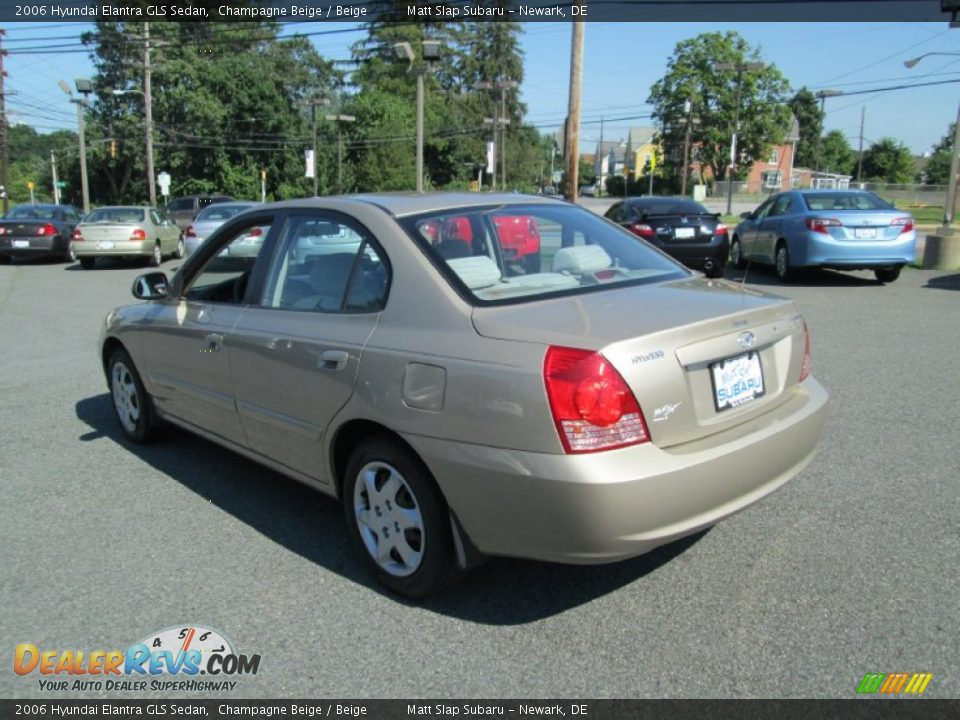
[{"x": 459, "y": 405}]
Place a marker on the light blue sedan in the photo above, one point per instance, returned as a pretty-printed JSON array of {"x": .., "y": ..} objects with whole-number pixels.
[{"x": 837, "y": 229}]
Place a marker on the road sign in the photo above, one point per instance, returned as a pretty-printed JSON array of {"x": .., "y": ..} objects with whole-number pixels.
[
  {"x": 163, "y": 180},
  {"x": 61, "y": 184}
]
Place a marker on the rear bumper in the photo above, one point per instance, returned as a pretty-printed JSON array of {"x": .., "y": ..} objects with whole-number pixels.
[
  {"x": 696, "y": 255},
  {"x": 819, "y": 250},
  {"x": 609, "y": 506},
  {"x": 190, "y": 244},
  {"x": 38, "y": 246},
  {"x": 122, "y": 249}
]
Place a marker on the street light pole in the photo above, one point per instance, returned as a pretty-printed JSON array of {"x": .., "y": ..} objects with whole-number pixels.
[
  {"x": 339, "y": 119},
  {"x": 430, "y": 51},
  {"x": 949, "y": 208},
  {"x": 148, "y": 111},
  {"x": 84, "y": 87},
  {"x": 687, "y": 107},
  {"x": 823, "y": 95}
]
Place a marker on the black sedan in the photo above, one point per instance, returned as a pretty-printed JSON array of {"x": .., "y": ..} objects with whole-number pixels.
[
  {"x": 683, "y": 229},
  {"x": 38, "y": 231}
]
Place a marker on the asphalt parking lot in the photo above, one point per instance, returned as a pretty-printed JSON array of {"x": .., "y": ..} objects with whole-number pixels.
[{"x": 851, "y": 568}]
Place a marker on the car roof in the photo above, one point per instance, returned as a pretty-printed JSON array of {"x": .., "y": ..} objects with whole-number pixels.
[
  {"x": 827, "y": 191},
  {"x": 401, "y": 204}
]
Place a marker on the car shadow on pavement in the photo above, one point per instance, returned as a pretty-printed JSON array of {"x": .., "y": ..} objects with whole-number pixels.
[
  {"x": 499, "y": 592},
  {"x": 760, "y": 275},
  {"x": 944, "y": 282}
]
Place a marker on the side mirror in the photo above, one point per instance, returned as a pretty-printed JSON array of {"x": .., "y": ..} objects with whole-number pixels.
[
  {"x": 746, "y": 215},
  {"x": 150, "y": 286}
]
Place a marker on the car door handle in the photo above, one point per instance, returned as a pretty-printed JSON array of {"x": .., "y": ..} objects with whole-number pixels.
[
  {"x": 334, "y": 359},
  {"x": 212, "y": 342}
]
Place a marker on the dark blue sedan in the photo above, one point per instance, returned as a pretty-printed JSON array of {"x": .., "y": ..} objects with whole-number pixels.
[{"x": 837, "y": 229}]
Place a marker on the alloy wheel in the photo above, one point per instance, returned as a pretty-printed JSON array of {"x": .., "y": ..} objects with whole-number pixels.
[{"x": 126, "y": 399}]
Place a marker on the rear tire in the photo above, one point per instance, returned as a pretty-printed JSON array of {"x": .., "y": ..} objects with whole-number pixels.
[
  {"x": 887, "y": 275},
  {"x": 736, "y": 255},
  {"x": 71, "y": 255},
  {"x": 397, "y": 518},
  {"x": 157, "y": 257},
  {"x": 131, "y": 403},
  {"x": 179, "y": 252},
  {"x": 88, "y": 263},
  {"x": 4, "y": 259},
  {"x": 531, "y": 264},
  {"x": 782, "y": 263}
]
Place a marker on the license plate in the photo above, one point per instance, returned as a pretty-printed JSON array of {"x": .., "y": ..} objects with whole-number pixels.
[
  {"x": 865, "y": 232},
  {"x": 105, "y": 244},
  {"x": 736, "y": 381},
  {"x": 21, "y": 243},
  {"x": 685, "y": 232}
]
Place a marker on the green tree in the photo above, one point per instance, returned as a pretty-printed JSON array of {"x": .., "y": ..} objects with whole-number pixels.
[
  {"x": 889, "y": 161},
  {"x": 836, "y": 155},
  {"x": 806, "y": 109},
  {"x": 938, "y": 166},
  {"x": 691, "y": 75},
  {"x": 229, "y": 100}
]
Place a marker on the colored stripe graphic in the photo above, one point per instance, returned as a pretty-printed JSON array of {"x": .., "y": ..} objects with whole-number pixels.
[{"x": 894, "y": 683}]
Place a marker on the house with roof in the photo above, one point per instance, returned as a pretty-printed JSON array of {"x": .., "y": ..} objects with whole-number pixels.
[
  {"x": 609, "y": 160},
  {"x": 641, "y": 146}
]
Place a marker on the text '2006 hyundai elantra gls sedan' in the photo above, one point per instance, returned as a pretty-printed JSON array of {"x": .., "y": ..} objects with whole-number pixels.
[{"x": 459, "y": 404}]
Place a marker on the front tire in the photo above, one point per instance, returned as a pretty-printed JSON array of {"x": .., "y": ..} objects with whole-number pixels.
[
  {"x": 715, "y": 272},
  {"x": 398, "y": 518},
  {"x": 887, "y": 275},
  {"x": 782, "y": 263},
  {"x": 736, "y": 255},
  {"x": 131, "y": 403}
]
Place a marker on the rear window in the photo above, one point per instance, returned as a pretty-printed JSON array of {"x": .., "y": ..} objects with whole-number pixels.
[
  {"x": 670, "y": 206},
  {"x": 31, "y": 212},
  {"x": 115, "y": 215},
  {"x": 515, "y": 253},
  {"x": 220, "y": 212},
  {"x": 845, "y": 201}
]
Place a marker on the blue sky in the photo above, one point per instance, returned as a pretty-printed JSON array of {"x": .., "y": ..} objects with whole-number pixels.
[{"x": 621, "y": 62}]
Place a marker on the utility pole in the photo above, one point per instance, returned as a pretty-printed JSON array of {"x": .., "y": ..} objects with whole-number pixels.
[
  {"x": 84, "y": 183},
  {"x": 148, "y": 110},
  {"x": 739, "y": 68},
  {"x": 602, "y": 158},
  {"x": 863, "y": 116},
  {"x": 4, "y": 146},
  {"x": 53, "y": 172},
  {"x": 504, "y": 85},
  {"x": 687, "y": 108},
  {"x": 823, "y": 95},
  {"x": 572, "y": 137}
]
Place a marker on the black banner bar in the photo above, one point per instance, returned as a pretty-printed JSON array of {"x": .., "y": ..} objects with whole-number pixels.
[
  {"x": 859, "y": 709},
  {"x": 475, "y": 10}
]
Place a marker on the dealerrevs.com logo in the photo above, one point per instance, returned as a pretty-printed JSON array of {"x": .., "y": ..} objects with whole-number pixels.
[{"x": 170, "y": 660}]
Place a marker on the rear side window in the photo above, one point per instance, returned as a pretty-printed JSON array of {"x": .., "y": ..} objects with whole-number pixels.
[
  {"x": 512, "y": 253},
  {"x": 324, "y": 264},
  {"x": 180, "y": 205}
]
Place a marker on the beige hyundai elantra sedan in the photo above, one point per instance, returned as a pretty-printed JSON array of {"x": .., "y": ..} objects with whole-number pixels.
[{"x": 385, "y": 350}]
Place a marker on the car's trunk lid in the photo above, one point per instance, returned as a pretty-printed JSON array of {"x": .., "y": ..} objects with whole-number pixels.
[
  {"x": 664, "y": 340},
  {"x": 107, "y": 232}
]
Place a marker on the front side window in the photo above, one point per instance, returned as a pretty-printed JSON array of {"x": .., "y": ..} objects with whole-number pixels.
[
  {"x": 511, "y": 253},
  {"x": 325, "y": 264},
  {"x": 224, "y": 276}
]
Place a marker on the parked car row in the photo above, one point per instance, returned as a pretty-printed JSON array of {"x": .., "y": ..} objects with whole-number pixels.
[{"x": 124, "y": 231}]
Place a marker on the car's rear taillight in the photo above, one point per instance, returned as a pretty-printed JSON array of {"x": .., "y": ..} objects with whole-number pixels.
[
  {"x": 805, "y": 368},
  {"x": 721, "y": 229},
  {"x": 76, "y": 235},
  {"x": 642, "y": 229},
  {"x": 5, "y": 231},
  {"x": 592, "y": 406},
  {"x": 820, "y": 225},
  {"x": 190, "y": 232},
  {"x": 256, "y": 232},
  {"x": 905, "y": 224},
  {"x": 138, "y": 235},
  {"x": 46, "y": 229}
]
